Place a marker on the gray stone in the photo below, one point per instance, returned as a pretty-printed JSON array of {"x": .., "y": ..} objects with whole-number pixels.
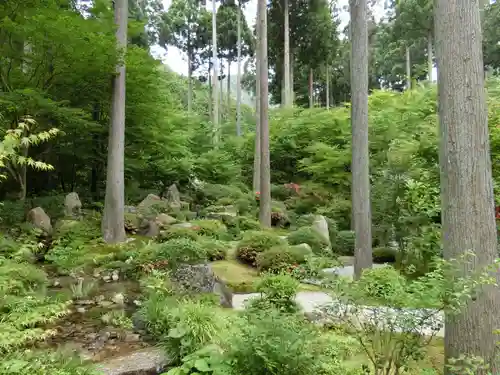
[
  {"x": 72, "y": 205},
  {"x": 39, "y": 219},
  {"x": 119, "y": 299},
  {"x": 174, "y": 197},
  {"x": 182, "y": 225},
  {"x": 151, "y": 361},
  {"x": 151, "y": 206},
  {"x": 320, "y": 226},
  {"x": 164, "y": 220},
  {"x": 130, "y": 209}
]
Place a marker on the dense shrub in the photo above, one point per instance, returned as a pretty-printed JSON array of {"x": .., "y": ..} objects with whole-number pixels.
[
  {"x": 176, "y": 251},
  {"x": 211, "y": 193},
  {"x": 254, "y": 243},
  {"x": 210, "y": 228},
  {"x": 278, "y": 292},
  {"x": 215, "y": 249},
  {"x": 344, "y": 243},
  {"x": 271, "y": 343},
  {"x": 248, "y": 223},
  {"x": 384, "y": 255},
  {"x": 178, "y": 232},
  {"x": 309, "y": 236},
  {"x": 280, "y": 258}
]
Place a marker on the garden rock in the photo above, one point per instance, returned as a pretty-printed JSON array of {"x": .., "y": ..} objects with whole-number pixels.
[
  {"x": 39, "y": 219},
  {"x": 200, "y": 278},
  {"x": 173, "y": 197},
  {"x": 153, "y": 230},
  {"x": 182, "y": 225},
  {"x": 164, "y": 220},
  {"x": 304, "y": 247},
  {"x": 151, "y": 206},
  {"x": 72, "y": 205},
  {"x": 149, "y": 361},
  {"x": 130, "y": 209},
  {"x": 320, "y": 226}
]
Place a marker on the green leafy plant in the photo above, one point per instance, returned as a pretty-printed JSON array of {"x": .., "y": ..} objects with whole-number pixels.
[
  {"x": 278, "y": 291},
  {"x": 309, "y": 236},
  {"x": 254, "y": 243},
  {"x": 344, "y": 243},
  {"x": 280, "y": 258}
]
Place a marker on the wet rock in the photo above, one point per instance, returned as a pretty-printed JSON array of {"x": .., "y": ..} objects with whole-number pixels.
[
  {"x": 132, "y": 337},
  {"x": 151, "y": 206},
  {"x": 72, "y": 205},
  {"x": 115, "y": 275},
  {"x": 106, "y": 278},
  {"x": 81, "y": 310},
  {"x": 164, "y": 220},
  {"x": 173, "y": 197},
  {"x": 39, "y": 219},
  {"x": 119, "y": 299},
  {"x": 320, "y": 226},
  {"x": 149, "y": 361}
]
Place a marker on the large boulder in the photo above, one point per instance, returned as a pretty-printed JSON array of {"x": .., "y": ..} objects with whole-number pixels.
[
  {"x": 173, "y": 197},
  {"x": 151, "y": 206},
  {"x": 39, "y": 219},
  {"x": 72, "y": 205},
  {"x": 200, "y": 278},
  {"x": 320, "y": 226},
  {"x": 164, "y": 220}
]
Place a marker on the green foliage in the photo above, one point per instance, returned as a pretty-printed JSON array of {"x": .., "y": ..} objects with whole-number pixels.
[
  {"x": 309, "y": 236},
  {"x": 280, "y": 258},
  {"x": 209, "y": 228},
  {"x": 178, "y": 232},
  {"x": 248, "y": 223},
  {"x": 255, "y": 242},
  {"x": 344, "y": 243},
  {"x": 44, "y": 363},
  {"x": 176, "y": 251},
  {"x": 278, "y": 292},
  {"x": 384, "y": 255},
  {"x": 215, "y": 249},
  {"x": 25, "y": 306}
]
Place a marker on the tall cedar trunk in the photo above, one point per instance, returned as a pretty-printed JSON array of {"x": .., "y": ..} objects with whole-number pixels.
[
  {"x": 430, "y": 57},
  {"x": 113, "y": 226},
  {"x": 265, "y": 164},
  {"x": 468, "y": 215},
  {"x": 292, "y": 93},
  {"x": 210, "y": 114},
  {"x": 221, "y": 92},
  {"x": 311, "y": 97},
  {"x": 228, "y": 86},
  {"x": 327, "y": 87},
  {"x": 238, "y": 76},
  {"x": 190, "y": 83},
  {"x": 361, "y": 210},
  {"x": 215, "y": 80},
  {"x": 256, "y": 158},
  {"x": 408, "y": 69},
  {"x": 283, "y": 88},
  {"x": 286, "y": 56}
]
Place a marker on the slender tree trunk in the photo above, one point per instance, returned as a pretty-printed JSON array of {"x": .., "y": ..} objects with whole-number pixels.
[
  {"x": 113, "y": 222},
  {"x": 468, "y": 215},
  {"x": 283, "y": 89},
  {"x": 228, "y": 86},
  {"x": 361, "y": 210},
  {"x": 265, "y": 164},
  {"x": 327, "y": 86},
  {"x": 286, "y": 57},
  {"x": 210, "y": 89},
  {"x": 430, "y": 57},
  {"x": 408, "y": 69},
  {"x": 238, "y": 77},
  {"x": 215, "y": 80},
  {"x": 292, "y": 93},
  {"x": 221, "y": 99},
  {"x": 310, "y": 85},
  {"x": 256, "y": 159},
  {"x": 190, "y": 84}
]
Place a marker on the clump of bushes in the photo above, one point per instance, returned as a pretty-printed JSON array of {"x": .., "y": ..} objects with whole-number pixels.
[
  {"x": 280, "y": 258},
  {"x": 209, "y": 228},
  {"x": 255, "y": 242},
  {"x": 178, "y": 232},
  {"x": 384, "y": 255},
  {"x": 278, "y": 292},
  {"x": 309, "y": 236},
  {"x": 344, "y": 243},
  {"x": 176, "y": 251},
  {"x": 215, "y": 249},
  {"x": 248, "y": 223}
]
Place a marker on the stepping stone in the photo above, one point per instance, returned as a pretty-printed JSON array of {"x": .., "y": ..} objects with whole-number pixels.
[{"x": 151, "y": 361}]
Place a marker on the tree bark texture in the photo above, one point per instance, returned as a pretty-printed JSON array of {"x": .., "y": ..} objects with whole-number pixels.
[
  {"x": 215, "y": 79},
  {"x": 286, "y": 57},
  {"x": 238, "y": 77},
  {"x": 361, "y": 210},
  {"x": 468, "y": 213},
  {"x": 408, "y": 69},
  {"x": 256, "y": 158},
  {"x": 265, "y": 164},
  {"x": 430, "y": 57},
  {"x": 310, "y": 85},
  {"x": 113, "y": 221}
]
